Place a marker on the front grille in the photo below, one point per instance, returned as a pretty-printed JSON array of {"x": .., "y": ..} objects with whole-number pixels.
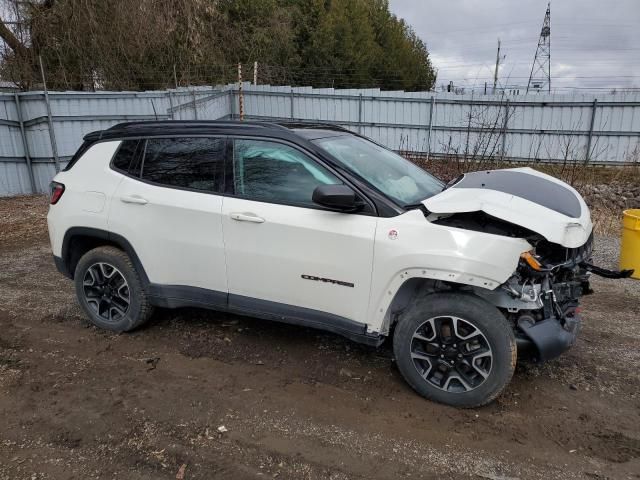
[
  {"x": 582, "y": 253},
  {"x": 554, "y": 254}
]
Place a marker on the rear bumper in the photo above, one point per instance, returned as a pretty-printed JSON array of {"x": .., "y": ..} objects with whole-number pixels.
[
  {"x": 547, "y": 339},
  {"x": 61, "y": 266}
]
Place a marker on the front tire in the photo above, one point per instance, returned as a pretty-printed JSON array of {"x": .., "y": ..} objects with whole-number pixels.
[
  {"x": 456, "y": 349},
  {"x": 109, "y": 290}
]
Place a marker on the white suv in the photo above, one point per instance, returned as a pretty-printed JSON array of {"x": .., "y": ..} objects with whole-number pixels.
[{"x": 317, "y": 226}]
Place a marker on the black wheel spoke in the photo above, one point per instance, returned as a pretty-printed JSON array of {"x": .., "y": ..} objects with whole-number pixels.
[
  {"x": 451, "y": 353},
  {"x": 106, "y": 291}
]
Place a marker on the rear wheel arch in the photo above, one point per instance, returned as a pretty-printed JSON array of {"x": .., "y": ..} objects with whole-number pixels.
[{"x": 79, "y": 240}]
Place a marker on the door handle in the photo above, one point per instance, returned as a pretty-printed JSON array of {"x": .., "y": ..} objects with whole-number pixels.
[
  {"x": 246, "y": 217},
  {"x": 138, "y": 200}
]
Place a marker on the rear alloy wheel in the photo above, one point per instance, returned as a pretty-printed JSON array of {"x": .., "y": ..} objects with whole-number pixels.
[
  {"x": 106, "y": 291},
  {"x": 109, "y": 290},
  {"x": 456, "y": 349}
]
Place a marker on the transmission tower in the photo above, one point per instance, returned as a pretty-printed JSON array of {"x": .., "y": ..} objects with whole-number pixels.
[{"x": 540, "y": 78}]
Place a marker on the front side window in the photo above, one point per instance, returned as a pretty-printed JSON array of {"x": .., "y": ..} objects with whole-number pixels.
[
  {"x": 276, "y": 173},
  {"x": 388, "y": 172},
  {"x": 184, "y": 162}
]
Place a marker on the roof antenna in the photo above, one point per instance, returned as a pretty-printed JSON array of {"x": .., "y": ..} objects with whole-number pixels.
[{"x": 154, "y": 109}]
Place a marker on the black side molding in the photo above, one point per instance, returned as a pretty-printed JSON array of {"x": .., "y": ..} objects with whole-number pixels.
[
  {"x": 305, "y": 317},
  {"x": 97, "y": 233},
  {"x": 176, "y": 296}
]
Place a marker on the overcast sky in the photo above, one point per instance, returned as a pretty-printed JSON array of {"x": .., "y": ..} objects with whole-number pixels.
[{"x": 594, "y": 43}]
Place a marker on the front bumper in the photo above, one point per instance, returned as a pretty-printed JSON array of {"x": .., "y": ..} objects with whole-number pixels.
[{"x": 548, "y": 338}]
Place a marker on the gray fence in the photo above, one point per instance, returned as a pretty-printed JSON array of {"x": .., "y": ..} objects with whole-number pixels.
[{"x": 39, "y": 133}]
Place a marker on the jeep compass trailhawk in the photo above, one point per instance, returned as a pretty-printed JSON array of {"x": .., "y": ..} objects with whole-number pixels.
[{"x": 317, "y": 226}]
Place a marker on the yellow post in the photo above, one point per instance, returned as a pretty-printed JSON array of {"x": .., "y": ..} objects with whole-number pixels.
[{"x": 630, "y": 247}]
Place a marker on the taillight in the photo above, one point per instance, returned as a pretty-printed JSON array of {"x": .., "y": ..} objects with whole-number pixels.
[{"x": 57, "y": 189}]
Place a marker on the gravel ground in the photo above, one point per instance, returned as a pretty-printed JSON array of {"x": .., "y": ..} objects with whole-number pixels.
[{"x": 79, "y": 403}]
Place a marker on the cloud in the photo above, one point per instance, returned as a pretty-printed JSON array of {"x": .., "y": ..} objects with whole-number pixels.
[{"x": 594, "y": 44}]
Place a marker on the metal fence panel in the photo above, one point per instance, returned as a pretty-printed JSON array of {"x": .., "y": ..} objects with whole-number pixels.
[{"x": 603, "y": 129}]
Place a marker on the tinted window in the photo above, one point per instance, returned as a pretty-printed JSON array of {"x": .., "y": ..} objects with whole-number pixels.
[
  {"x": 184, "y": 162},
  {"x": 273, "y": 172},
  {"x": 127, "y": 151}
]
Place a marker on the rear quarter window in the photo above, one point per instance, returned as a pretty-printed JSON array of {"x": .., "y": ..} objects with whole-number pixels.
[{"x": 126, "y": 159}]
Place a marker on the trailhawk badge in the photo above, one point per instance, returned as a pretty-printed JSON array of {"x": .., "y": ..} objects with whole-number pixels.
[{"x": 393, "y": 234}]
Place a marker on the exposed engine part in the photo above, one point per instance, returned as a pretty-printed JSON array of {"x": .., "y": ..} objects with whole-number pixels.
[
  {"x": 514, "y": 295},
  {"x": 502, "y": 298}
]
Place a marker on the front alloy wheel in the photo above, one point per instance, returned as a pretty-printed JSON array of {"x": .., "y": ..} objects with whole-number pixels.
[
  {"x": 455, "y": 348},
  {"x": 451, "y": 354}
]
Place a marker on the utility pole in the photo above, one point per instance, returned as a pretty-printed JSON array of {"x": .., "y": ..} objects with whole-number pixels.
[
  {"x": 495, "y": 73},
  {"x": 540, "y": 78},
  {"x": 255, "y": 73}
]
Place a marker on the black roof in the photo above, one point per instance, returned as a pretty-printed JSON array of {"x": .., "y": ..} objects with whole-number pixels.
[{"x": 285, "y": 130}]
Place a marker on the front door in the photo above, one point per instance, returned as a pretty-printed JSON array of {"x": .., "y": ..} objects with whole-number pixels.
[{"x": 281, "y": 248}]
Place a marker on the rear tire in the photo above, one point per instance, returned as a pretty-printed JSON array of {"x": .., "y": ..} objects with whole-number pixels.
[
  {"x": 456, "y": 349},
  {"x": 109, "y": 290}
]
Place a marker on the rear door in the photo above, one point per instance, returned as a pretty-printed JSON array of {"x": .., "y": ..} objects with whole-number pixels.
[
  {"x": 285, "y": 251},
  {"x": 169, "y": 208}
]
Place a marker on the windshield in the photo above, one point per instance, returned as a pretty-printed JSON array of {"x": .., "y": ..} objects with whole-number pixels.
[{"x": 393, "y": 175}]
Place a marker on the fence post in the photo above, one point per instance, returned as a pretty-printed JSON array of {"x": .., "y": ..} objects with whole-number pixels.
[
  {"x": 360, "y": 114},
  {"x": 504, "y": 130},
  {"x": 25, "y": 145},
  {"x": 587, "y": 156},
  {"x": 240, "y": 93},
  {"x": 291, "y": 97},
  {"x": 52, "y": 135},
  {"x": 170, "y": 103},
  {"x": 432, "y": 105},
  {"x": 233, "y": 106},
  {"x": 195, "y": 108}
]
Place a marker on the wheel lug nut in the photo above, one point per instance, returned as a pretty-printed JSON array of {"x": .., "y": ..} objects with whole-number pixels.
[
  {"x": 442, "y": 355},
  {"x": 455, "y": 346},
  {"x": 451, "y": 362},
  {"x": 459, "y": 355}
]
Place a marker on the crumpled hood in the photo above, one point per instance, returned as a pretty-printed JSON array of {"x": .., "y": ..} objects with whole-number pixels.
[{"x": 524, "y": 197}]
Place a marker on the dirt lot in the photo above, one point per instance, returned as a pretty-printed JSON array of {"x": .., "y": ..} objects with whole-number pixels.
[{"x": 76, "y": 402}]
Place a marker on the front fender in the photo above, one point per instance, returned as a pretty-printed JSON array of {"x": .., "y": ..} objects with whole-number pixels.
[{"x": 408, "y": 246}]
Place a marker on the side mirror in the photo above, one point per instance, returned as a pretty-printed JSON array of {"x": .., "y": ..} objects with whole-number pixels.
[{"x": 336, "y": 197}]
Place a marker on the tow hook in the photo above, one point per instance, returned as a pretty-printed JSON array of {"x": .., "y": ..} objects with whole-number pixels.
[{"x": 603, "y": 272}]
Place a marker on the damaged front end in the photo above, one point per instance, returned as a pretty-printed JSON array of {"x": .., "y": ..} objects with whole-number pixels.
[{"x": 541, "y": 299}]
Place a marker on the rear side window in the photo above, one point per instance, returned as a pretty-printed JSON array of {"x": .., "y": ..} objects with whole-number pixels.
[
  {"x": 127, "y": 155},
  {"x": 195, "y": 163}
]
